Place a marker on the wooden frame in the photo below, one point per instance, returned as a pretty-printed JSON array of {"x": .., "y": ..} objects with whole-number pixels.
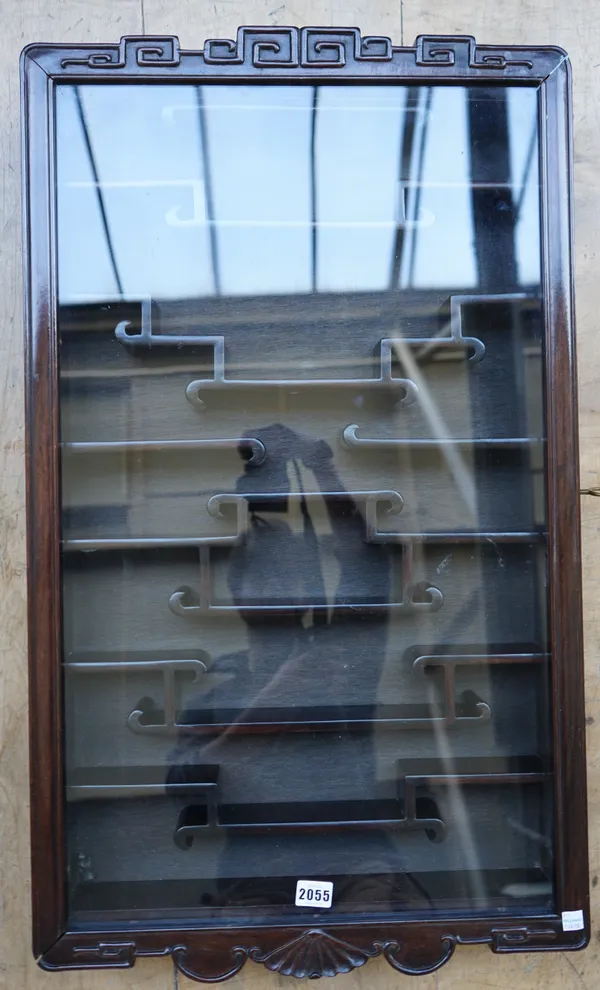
[{"x": 291, "y": 54}]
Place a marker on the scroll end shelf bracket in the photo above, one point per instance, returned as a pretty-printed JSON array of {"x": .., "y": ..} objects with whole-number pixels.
[
  {"x": 391, "y": 348},
  {"x": 420, "y": 596}
]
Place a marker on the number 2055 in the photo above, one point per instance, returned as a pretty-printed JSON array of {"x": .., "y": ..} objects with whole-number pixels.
[{"x": 314, "y": 893}]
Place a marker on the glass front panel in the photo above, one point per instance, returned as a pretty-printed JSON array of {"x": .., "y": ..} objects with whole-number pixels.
[{"x": 303, "y": 501}]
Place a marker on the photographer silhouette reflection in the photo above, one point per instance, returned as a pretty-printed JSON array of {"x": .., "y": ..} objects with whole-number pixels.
[
  {"x": 305, "y": 556},
  {"x": 302, "y": 566}
]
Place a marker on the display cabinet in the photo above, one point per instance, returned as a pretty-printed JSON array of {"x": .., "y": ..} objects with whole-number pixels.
[{"x": 305, "y": 630}]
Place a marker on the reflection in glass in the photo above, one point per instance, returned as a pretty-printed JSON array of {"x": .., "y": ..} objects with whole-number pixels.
[{"x": 304, "y": 520}]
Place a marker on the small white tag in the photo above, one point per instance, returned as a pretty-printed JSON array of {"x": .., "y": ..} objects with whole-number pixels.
[
  {"x": 314, "y": 893},
  {"x": 572, "y": 921}
]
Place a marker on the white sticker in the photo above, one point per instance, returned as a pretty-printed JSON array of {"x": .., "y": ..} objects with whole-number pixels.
[
  {"x": 314, "y": 893},
  {"x": 572, "y": 921}
]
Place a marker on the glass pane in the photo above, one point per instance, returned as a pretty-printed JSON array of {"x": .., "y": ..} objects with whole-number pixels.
[{"x": 304, "y": 519}]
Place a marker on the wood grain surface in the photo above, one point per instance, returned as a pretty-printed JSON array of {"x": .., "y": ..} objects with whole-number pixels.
[{"x": 576, "y": 27}]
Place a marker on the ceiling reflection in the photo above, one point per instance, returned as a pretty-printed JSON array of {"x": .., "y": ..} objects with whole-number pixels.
[{"x": 197, "y": 191}]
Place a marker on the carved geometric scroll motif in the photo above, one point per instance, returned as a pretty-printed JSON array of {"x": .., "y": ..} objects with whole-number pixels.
[
  {"x": 136, "y": 50},
  {"x": 285, "y": 48},
  {"x": 325, "y": 48},
  {"x": 449, "y": 51}
]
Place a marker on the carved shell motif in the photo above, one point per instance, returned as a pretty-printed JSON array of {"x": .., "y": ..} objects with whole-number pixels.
[{"x": 312, "y": 955}]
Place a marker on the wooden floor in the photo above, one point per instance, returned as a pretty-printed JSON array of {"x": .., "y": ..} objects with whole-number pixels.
[{"x": 572, "y": 24}]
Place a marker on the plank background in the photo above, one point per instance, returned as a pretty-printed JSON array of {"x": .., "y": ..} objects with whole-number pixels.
[{"x": 575, "y": 26}]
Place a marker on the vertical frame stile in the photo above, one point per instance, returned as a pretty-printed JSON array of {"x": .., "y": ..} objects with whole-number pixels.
[
  {"x": 565, "y": 605},
  {"x": 43, "y": 504}
]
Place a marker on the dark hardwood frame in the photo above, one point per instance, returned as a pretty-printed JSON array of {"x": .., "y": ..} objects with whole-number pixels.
[{"x": 294, "y": 55}]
